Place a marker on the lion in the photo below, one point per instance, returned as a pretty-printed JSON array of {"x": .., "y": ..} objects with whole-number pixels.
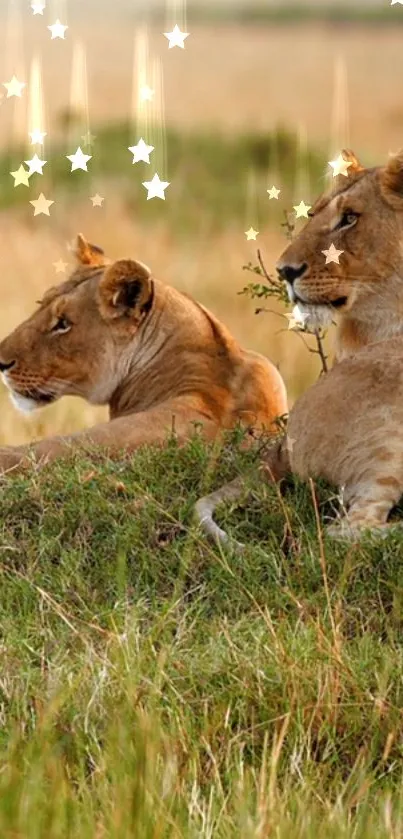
[
  {"x": 348, "y": 427},
  {"x": 117, "y": 336}
]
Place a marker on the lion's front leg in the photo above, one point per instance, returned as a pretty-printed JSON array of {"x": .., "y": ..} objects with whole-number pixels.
[
  {"x": 112, "y": 438},
  {"x": 15, "y": 458}
]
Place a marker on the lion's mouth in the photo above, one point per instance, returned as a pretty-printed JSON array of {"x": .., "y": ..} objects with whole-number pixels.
[
  {"x": 41, "y": 398},
  {"x": 338, "y": 303},
  {"x": 31, "y": 400}
]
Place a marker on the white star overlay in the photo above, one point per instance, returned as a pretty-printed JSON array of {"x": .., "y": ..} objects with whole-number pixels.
[
  {"x": 301, "y": 211},
  {"x": 251, "y": 234},
  {"x": 146, "y": 93},
  {"x": 21, "y": 176},
  {"x": 79, "y": 160},
  {"x": 296, "y": 319},
  {"x": 273, "y": 192},
  {"x": 340, "y": 166},
  {"x": 176, "y": 37},
  {"x": 35, "y": 165},
  {"x": 37, "y": 8},
  {"x": 97, "y": 200},
  {"x": 57, "y": 29},
  {"x": 332, "y": 254},
  {"x": 14, "y": 87},
  {"x": 60, "y": 266},
  {"x": 88, "y": 138},
  {"x": 37, "y": 136},
  {"x": 141, "y": 151},
  {"x": 156, "y": 188},
  {"x": 41, "y": 205}
]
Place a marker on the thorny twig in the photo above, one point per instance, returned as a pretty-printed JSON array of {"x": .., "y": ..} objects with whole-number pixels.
[
  {"x": 289, "y": 225},
  {"x": 320, "y": 351},
  {"x": 275, "y": 288}
]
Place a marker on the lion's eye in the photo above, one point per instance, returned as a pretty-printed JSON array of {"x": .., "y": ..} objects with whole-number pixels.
[
  {"x": 61, "y": 325},
  {"x": 348, "y": 217}
]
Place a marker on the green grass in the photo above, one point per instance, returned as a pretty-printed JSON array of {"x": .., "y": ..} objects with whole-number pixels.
[
  {"x": 208, "y": 174},
  {"x": 291, "y": 13},
  {"x": 152, "y": 685},
  {"x": 283, "y": 12}
]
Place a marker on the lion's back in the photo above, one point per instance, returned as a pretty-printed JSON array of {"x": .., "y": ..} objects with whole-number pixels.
[{"x": 351, "y": 416}]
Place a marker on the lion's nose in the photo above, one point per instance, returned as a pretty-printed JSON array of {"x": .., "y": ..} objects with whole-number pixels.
[
  {"x": 291, "y": 272},
  {"x": 6, "y": 365}
]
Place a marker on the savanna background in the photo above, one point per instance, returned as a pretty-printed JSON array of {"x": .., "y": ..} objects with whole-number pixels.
[{"x": 152, "y": 685}]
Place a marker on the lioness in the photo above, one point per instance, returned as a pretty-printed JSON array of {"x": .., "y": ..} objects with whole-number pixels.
[
  {"x": 115, "y": 335},
  {"x": 348, "y": 427}
]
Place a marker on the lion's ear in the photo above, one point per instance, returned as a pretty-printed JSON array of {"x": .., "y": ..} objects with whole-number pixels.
[
  {"x": 126, "y": 288},
  {"x": 338, "y": 182},
  {"x": 356, "y": 166},
  {"x": 88, "y": 254},
  {"x": 392, "y": 180}
]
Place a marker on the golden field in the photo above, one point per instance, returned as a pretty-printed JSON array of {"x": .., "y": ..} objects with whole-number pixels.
[{"x": 232, "y": 79}]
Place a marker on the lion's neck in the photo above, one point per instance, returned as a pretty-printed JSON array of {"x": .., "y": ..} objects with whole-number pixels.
[
  {"x": 377, "y": 318},
  {"x": 173, "y": 354}
]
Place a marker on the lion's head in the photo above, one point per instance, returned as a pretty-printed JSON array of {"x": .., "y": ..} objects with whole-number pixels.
[
  {"x": 80, "y": 339},
  {"x": 362, "y": 216}
]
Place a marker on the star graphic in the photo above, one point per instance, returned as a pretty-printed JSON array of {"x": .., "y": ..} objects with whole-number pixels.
[
  {"x": 273, "y": 192},
  {"x": 146, "y": 93},
  {"x": 340, "y": 166},
  {"x": 299, "y": 318},
  {"x": 79, "y": 160},
  {"x": 292, "y": 323},
  {"x": 37, "y": 8},
  {"x": 35, "y": 165},
  {"x": 41, "y": 205},
  {"x": 21, "y": 176},
  {"x": 295, "y": 321},
  {"x": 176, "y": 37},
  {"x": 332, "y": 254},
  {"x": 14, "y": 88},
  {"x": 60, "y": 266},
  {"x": 57, "y": 29},
  {"x": 37, "y": 136},
  {"x": 251, "y": 234},
  {"x": 141, "y": 151},
  {"x": 97, "y": 200},
  {"x": 156, "y": 187},
  {"x": 301, "y": 211},
  {"x": 88, "y": 138},
  {"x": 393, "y": 3}
]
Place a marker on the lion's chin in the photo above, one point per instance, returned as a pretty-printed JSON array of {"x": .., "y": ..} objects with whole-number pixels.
[
  {"x": 23, "y": 404},
  {"x": 26, "y": 404},
  {"x": 313, "y": 317}
]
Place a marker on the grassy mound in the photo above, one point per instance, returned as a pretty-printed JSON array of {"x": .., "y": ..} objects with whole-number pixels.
[{"x": 155, "y": 686}]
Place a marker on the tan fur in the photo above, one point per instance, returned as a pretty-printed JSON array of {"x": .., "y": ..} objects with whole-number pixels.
[
  {"x": 370, "y": 272},
  {"x": 115, "y": 335},
  {"x": 348, "y": 427}
]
